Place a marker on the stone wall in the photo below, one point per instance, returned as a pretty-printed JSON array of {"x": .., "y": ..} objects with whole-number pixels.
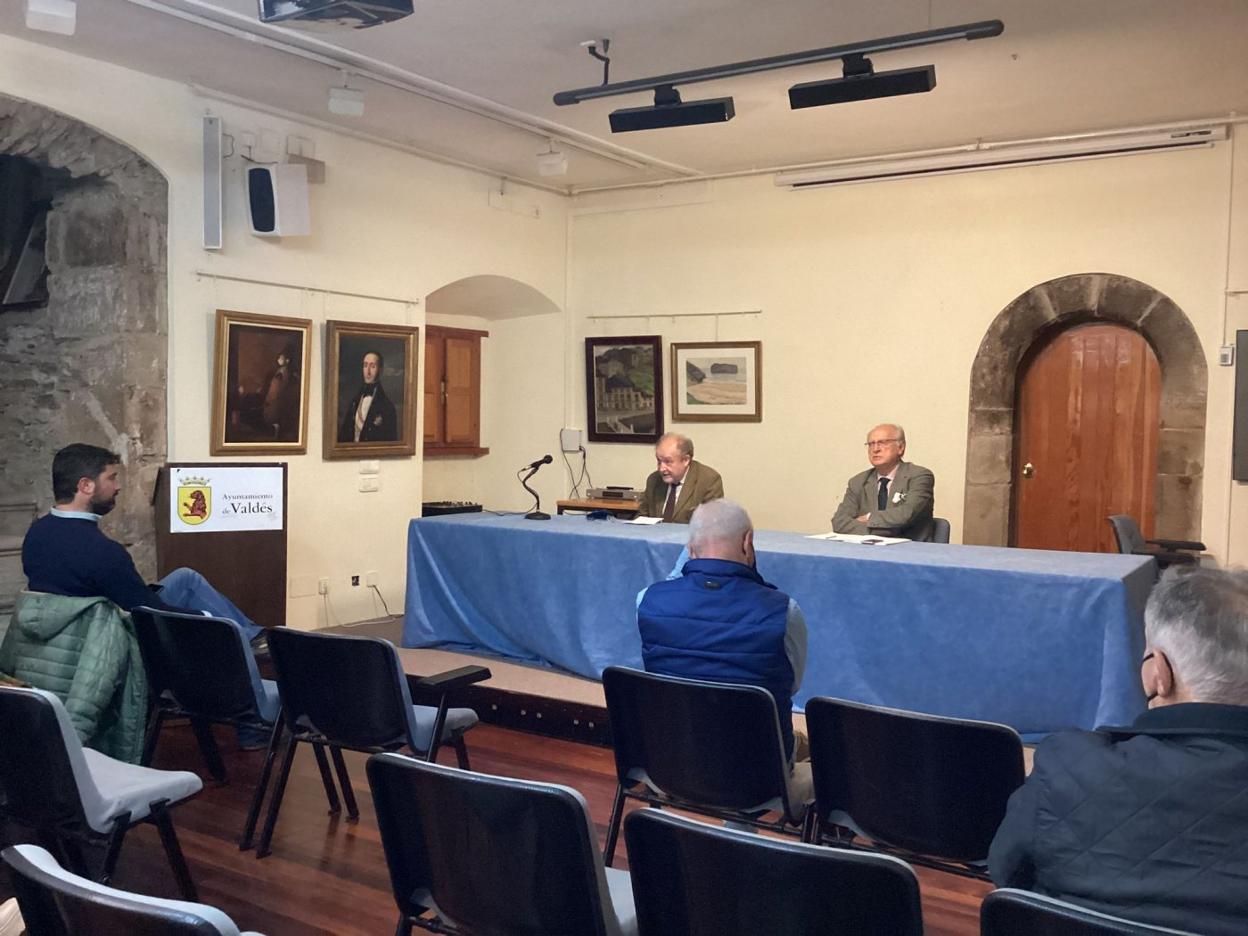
[{"x": 90, "y": 366}]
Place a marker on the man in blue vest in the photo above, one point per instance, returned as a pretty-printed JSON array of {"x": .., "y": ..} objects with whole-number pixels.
[{"x": 720, "y": 621}]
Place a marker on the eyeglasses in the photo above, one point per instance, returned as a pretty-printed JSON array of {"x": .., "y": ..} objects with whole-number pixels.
[{"x": 881, "y": 443}]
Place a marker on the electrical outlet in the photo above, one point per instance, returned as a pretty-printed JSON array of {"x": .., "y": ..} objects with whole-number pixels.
[
  {"x": 1226, "y": 355},
  {"x": 370, "y": 577},
  {"x": 322, "y": 587},
  {"x": 370, "y": 483},
  {"x": 355, "y": 580}
]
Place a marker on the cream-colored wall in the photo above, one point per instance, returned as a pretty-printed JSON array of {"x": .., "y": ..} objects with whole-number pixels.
[
  {"x": 385, "y": 223},
  {"x": 874, "y": 300},
  {"x": 1235, "y": 493}
]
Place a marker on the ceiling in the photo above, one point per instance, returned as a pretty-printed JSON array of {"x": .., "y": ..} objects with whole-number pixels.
[{"x": 471, "y": 81}]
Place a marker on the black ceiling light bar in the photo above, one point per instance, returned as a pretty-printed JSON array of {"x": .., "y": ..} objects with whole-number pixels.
[
  {"x": 670, "y": 111},
  {"x": 859, "y": 79},
  {"x": 861, "y": 83}
]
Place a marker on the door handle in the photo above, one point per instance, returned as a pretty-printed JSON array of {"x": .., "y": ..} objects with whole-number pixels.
[{"x": 1029, "y": 470}]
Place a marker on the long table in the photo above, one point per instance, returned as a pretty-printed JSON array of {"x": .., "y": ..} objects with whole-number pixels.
[{"x": 1034, "y": 639}]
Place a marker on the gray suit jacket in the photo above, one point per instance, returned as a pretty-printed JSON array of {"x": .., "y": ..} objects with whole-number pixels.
[
  {"x": 702, "y": 484},
  {"x": 911, "y": 517}
]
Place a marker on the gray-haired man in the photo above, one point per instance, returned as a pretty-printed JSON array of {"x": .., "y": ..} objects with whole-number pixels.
[{"x": 1151, "y": 822}]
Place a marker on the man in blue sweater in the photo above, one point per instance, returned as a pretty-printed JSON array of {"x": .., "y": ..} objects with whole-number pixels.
[
  {"x": 720, "y": 621},
  {"x": 66, "y": 553}
]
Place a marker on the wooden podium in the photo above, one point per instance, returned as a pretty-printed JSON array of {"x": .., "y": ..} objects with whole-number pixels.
[{"x": 247, "y": 566}]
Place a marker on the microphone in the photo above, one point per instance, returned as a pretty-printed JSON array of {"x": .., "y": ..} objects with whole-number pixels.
[{"x": 536, "y": 512}]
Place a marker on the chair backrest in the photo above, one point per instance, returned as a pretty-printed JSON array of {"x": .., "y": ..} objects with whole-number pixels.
[
  {"x": 43, "y": 773},
  {"x": 1010, "y": 912},
  {"x": 932, "y": 785},
  {"x": 203, "y": 662},
  {"x": 702, "y": 880},
  {"x": 351, "y": 689},
  {"x": 55, "y": 902},
  {"x": 708, "y": 743},
  {"x": 1127, "y": 534},
  {"x": 940, "y": 530},
  {"x": 495, "y": 855}
]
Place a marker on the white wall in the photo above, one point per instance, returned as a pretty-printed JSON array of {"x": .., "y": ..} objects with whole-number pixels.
[
  {"x": 874, "y": 300},
  {"x": 386, "y": 223}
]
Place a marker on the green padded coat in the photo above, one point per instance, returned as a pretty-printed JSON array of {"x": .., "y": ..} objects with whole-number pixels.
[{"x": 85, "y": 651}]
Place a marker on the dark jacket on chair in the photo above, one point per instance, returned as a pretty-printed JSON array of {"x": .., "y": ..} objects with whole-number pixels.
[
  {"x": 1148, "y": 822},
  {"x": 720, "y": 622}
]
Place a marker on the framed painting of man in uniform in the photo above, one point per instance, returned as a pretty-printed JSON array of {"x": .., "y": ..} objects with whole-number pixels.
[
  {"x": 370, "y": 390},
  {"x": 260, "y": 384},
  {"x": 624, "y": 389}
]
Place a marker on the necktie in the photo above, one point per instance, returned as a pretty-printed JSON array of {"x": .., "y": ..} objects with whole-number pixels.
[
  {"x": 669, "y": 508},
  {"x": 882, "y": 501}
]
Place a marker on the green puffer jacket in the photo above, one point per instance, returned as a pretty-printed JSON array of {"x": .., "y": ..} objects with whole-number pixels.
[{"x": 84, "y": 650}]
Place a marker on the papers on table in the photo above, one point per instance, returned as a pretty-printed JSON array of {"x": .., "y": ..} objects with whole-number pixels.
[
  {"x": 865, "y": 539},
  {"x": 644, "y": 521}
]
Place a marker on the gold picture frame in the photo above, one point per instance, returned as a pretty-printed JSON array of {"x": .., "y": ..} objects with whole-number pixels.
[
  {"x": 369, "y": 405},
  {"x": 260, "y": 372},
  {"x": 717, "y": 381}
]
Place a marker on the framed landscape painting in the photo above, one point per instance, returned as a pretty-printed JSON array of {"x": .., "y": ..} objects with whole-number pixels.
[
  {"x": 624, "y": 389},
  {"x": 260, "y": 384},
  {"x": 370, "y": 390},
  {"x": 717, "y": 381}
]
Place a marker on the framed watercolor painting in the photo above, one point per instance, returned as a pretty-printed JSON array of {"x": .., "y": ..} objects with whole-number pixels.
[
  {"x": 717, "y": 381},
  {"x": 370, "y": 390},
  {"x": 260, "y": 384},
  {"x": 624, "y": 389}
]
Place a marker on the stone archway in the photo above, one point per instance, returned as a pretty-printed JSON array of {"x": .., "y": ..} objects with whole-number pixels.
[
  {"x": 90, "y": 364},
  {"x": 1054, "y": 306}
]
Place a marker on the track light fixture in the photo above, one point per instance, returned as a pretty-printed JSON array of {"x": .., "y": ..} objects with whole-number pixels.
[
  {"x": 859, "y": 82},
  {"x": 670, "y": 111}
]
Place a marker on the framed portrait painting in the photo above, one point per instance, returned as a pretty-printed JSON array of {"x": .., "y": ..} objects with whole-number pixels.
[
  {"x": 624, "y": 389},
  {"x": 717, "y": 381},
  {"x": 260, "y": 384},
  {"x": 370, "y": 390}
]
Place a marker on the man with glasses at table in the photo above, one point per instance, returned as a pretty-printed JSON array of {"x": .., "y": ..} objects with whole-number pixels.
[{"x": 892, "y": 497}]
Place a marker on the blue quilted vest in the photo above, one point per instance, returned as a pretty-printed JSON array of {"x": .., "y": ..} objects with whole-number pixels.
[{"x": 720, "y": 622}]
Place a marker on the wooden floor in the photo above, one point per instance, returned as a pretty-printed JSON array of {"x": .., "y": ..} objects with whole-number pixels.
[{"x": 327, "y": 875}]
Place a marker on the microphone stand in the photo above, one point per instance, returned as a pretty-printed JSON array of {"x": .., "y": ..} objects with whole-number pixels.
[{"x": 536, "y": 513}]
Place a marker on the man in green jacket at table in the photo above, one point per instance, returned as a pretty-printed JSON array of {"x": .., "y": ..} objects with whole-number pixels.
[{"x": 892, "y": 497}]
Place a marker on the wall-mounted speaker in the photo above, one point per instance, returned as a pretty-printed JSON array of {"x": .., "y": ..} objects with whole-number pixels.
[
  {"x": 277, "y": 200},
  {"x": 212, "y": 183}
]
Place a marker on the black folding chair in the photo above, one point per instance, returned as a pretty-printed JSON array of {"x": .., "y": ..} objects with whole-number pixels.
[
  {"x": 932, "y": 790},
  {"x": 70, "y": 796},
  {"x": 1010, "y": 912},
  {"x": 711, "y": 748},
  {"x": 693, "y": 879},
  {"x": 202, "y": 668},
  {"x": 472, "y": 853},
  {"x": 1167, "y": 552},
  {"x": 57, "y": 902},
  {"x": 351, "y": 692}
]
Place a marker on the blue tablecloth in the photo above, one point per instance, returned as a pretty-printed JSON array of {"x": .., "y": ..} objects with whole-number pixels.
[{"x": 1034, "y": 639}]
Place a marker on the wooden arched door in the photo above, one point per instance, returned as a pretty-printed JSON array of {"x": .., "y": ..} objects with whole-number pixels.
[{"x": 1086, "y": 439}]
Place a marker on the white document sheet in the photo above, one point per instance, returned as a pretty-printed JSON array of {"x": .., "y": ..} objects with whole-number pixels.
[
  {"x": 864, "y": 539},
  {"x": 644, "y": 521}
]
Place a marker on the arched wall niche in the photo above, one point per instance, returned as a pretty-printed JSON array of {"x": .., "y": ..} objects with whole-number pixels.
[
  {"x": 1033, "y": 318},
  {"x": 90, "y": 364}
]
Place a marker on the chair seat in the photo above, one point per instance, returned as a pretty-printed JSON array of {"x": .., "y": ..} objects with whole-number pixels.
[
  {"x": 800, "y": 784},
  {"x": 458, "y": 720},
  {"x": 131, "y": 788},
  {"x": 620, "y": 887}
]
